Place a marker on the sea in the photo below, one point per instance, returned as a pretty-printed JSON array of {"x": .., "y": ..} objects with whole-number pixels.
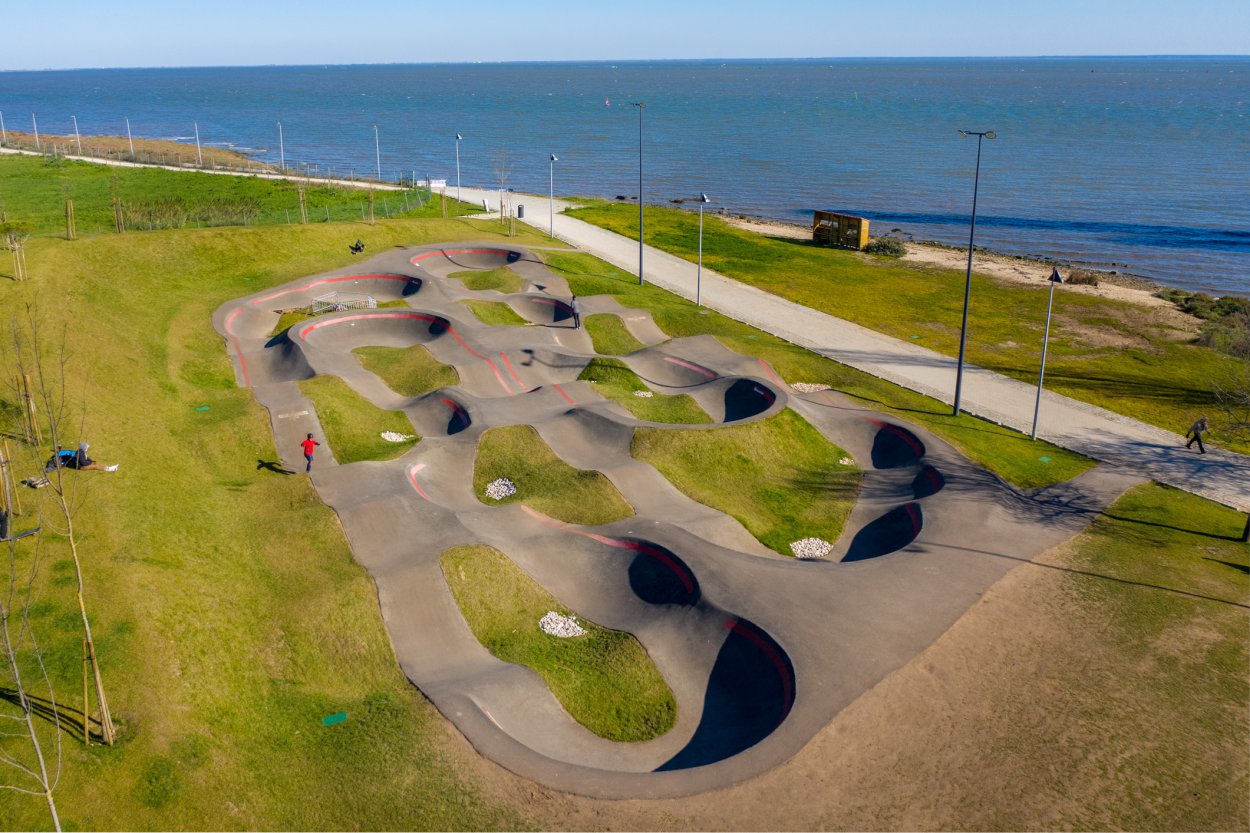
[{"x": 1136, "y": 165}]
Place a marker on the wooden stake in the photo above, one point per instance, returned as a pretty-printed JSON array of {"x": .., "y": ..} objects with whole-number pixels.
[
  {"x": 17, "y": 498},
  {"x": 117, "y": 215},
  {"x": 86, "y": 706},
  {"x": 30, "y": 406},
  {"x": 69, "y": 220}
]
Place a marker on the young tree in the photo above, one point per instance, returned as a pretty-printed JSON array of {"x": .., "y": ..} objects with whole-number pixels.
[{"x": 14, "y": 234}]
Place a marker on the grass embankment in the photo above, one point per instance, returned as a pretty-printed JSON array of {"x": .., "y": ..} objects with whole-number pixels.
[
  {"x": 543, "y": 481},
  {"x": 610, "y": 336},
  {"x": 604, "y": 679},
  {"x": 228, "y": 612},
  {"x": 495, "y": 313},
  {"x": 617, "y": 382},
  {"x": 1008, "y": 453},
  {"x": 409, "y": 371},
  {"x": 1113, "y": 354},
  {"x": 779, "y": 477},
  {"x": 353, "y": 425},
  {"x": 34, "y": 190},
  {"x": 146, "y": 151},
  {"x": 502, "y": 279}
]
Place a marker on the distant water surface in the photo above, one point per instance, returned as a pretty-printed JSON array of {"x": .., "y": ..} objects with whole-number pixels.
[{"x": 1135, "y": 164}]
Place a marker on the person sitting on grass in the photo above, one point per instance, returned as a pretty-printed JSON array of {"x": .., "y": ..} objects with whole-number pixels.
[{"x": 67, "y": 459}]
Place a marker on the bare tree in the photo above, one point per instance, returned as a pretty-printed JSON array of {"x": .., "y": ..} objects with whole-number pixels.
[
  {"x": 14, "y": 234},
  {"x": 23, "y": 660},
  {"x": 47, "y": 386}
]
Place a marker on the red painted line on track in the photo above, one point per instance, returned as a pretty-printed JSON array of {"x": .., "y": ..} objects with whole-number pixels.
[
  {"x": 770, "y": 373},
  {"x": 412, "y": 478},
  {"x": 508, "y": 364},
  {"x": 238, "y": 348},
  {"x": 567, "y": 398},
  {"x": 444, "y": 252},
  {"x": 709, "y": 374}
]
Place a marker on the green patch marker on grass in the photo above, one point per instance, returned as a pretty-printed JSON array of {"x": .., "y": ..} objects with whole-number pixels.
[
  {"x": 1044, "y": 459},
  {"x": 331, "y": 719}
]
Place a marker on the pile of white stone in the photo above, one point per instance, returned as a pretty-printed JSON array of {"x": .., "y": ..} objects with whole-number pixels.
[
  {"x": 501, "y": 488},
  {"x": 809, "y": 387},
  {"x": 561, "y": 626},
  {"x": 645, "y": 394},
  {"x": 846, "y": 461},
  {"x": 810, "y": 548},
  {"x": 393, "y": 437}
]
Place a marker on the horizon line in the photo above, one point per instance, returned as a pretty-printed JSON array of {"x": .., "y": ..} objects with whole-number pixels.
[{"x": 1143, "y": 56}]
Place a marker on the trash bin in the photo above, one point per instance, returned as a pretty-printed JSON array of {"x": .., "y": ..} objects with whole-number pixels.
[{"x": 520, "y": 212}]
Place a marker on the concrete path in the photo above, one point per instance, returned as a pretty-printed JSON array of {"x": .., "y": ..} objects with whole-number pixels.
[
  {"x": 759, "y": 650},
  {"x": 1097, "y": 433}
]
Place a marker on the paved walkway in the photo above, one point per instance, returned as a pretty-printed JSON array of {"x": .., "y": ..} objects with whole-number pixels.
[{"x": 1144, "y": 449}]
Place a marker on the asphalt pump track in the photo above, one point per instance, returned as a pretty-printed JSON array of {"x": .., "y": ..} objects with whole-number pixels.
[{"x": 761, "y": 651}]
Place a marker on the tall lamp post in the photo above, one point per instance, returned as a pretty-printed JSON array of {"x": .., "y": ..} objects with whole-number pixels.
[
  {"x": 641, "y": 105},
  {"x": 1055, "y": 278},
  {"x": 698, "y": 275},
  {"x": 551, "y": 184},
  {"x": 458, "y": 138},
  {"x": 963, "y": 328},
  {"x": 281, "y": 150},
  {"x": 377, "y": 151}
]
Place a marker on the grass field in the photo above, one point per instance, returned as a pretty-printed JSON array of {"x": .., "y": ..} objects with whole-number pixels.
[
  {"x": 230, "y": 616},
  {"x": 409, "y": 371},
  {"x": 1106, "y": 352},
  {"x": 604, "y": 679},
  {"x": 609, "y": 335},
  {"x": 778, "y": 476},
  {"x": 502, "y": 280},
  {"x": 495, "y": 313},
  {"x": 544, "y": 481},
  {"x": 617, "y": 382},
  {"x": 34, "y": 189}
]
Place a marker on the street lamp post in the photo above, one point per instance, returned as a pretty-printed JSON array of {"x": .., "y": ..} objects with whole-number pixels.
[
  {"x": 641, "y": 105},
  {"x": 378, "y": 153},
  {"x": 963, "y": 328},
  {"x": 77, "y": 138},
  {"x": 34, "y": 124},
  {"x": 458, "y": 138},
  {"x": 1055, "y": 278},
  {"x": 698, "y": 275},
  {"x": 281, "y": 150},
  {"x": 199, "y": 155},
  {"x": 551, "y": 184}
]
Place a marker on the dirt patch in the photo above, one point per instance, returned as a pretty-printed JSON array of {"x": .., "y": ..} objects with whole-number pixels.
[{"x": 1022, "y": 716}]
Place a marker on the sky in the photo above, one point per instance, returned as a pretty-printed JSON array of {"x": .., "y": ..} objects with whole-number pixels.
[{"x": 143, "y": 33}]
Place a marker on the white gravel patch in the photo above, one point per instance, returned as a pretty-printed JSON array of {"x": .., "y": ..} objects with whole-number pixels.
[
  {"x": 645, "y": 394},
  {"x": 501, "y": 488},
  {"x": 846, "y": 461},
  {"x": 810, "y": 548},
  {"x": 561, "y": 626},
  {"x": 392, "y": 437},
  {"x": 809, "y": 387}
]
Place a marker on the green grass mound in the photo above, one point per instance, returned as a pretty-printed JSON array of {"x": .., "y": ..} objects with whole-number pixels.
[
  {"x": 352, "y": 424},
  {"x": 617, "y": 382},
  {"x": 495, "y": 313},
  {"x": 289, "y": 319},
  {"x": 409, "y": 371},
  {"x": 604, "y": 678},
  {"x": 610, "y": 336},
  {"x": 779, "y": 477},
  {"x": 1009, "y": 454},
  {"x": 543, "y": 481},
  {"x": 502, "y": 279}
]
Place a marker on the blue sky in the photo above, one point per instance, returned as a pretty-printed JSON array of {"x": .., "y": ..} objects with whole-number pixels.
[{"x": 233, "y": 32}]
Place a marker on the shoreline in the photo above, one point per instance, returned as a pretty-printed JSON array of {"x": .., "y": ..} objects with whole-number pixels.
[{"x": 1019, "y": 269}]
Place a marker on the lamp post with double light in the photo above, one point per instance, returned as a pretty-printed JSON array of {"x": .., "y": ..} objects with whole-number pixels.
[
  {"x": 641, "y": 105},
  {"x": 458, "y": 138},
  {"x": 1054, "y": 278},
  {"x": 963, "y": 327}
]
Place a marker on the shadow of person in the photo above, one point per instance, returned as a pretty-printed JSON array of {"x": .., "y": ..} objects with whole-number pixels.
[{"x": 271, "y": 465}]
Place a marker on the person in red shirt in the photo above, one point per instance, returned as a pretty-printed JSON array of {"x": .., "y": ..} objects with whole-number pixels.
[{"x": 308, "y": 445}]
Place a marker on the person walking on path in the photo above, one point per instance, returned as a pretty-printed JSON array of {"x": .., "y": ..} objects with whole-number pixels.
[
  {"x": 576, "y": 307},
  {"x": 308, "y": 445},
  {"x": 1195, "y": 433}
]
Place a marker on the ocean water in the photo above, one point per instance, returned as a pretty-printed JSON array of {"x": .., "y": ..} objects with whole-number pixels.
[{"x": 1141, "y": 165}]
